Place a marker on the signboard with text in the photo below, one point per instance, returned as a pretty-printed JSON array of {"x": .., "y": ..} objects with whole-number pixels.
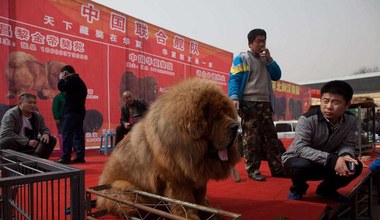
[
  {"x": 111, "y": 51},
  {"x": 291, "y": 101}
]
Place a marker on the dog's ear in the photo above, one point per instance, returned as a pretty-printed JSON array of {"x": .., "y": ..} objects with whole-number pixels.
[
  {"x": 197, "y": 120},
  {"x": 197, "y": 128}
]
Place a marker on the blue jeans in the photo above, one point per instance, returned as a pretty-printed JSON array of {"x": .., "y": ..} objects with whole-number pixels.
[{"x": 73, "y": 135}]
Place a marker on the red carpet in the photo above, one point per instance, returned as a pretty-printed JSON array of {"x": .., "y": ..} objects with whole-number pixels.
[{"x": 252, "y": 199}]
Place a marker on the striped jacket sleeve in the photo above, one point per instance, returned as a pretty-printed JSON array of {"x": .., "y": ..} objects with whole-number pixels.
[{"x": 237, "y": 69}]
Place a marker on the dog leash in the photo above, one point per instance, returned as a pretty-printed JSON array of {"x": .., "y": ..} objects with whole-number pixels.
[{"x": 235, "y": 175}]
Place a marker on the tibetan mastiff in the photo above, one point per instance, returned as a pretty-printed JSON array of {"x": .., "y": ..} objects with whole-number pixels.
[{"x": 186, "y": 138}]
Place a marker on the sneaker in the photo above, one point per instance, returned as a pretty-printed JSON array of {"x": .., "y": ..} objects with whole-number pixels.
[
  {"x": 334, "y": 195},
  {"x": 256, "y": 176},
  {"x": 295, "y": 196},
  {"x": 78, "y": 160},
  {"x": 63, "y": 160}
]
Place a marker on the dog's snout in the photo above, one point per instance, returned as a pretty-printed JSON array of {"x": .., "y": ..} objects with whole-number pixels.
[
  {"x": 233, "y": 127},
  {"x": 232, "y": 131}
]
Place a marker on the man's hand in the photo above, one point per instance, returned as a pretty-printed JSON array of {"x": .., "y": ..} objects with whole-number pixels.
[
  {"x": 45, "y": 138},
  {"x": 265, "y": 53},
  {"x": 62, "y": 75},
  {"x": 341, "y": 168},
  {"x": 236, "y": 104},
  {"x": 127, "y": 125},
  {"x": 33, "y": 143}
]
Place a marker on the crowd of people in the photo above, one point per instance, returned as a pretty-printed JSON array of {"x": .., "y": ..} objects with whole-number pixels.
[
  {"x": 23, "y": 128},
  {"x": 323, "y": 147}
]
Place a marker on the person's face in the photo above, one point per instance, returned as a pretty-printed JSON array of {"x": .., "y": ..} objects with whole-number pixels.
[
  {"x": 28, "y": 105},
  {"x": 333, "y": 106},
  {"x": 128, "y": 99},
  {"x": 258, "y": 45}
]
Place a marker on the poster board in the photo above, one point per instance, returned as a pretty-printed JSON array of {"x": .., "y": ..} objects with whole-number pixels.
[{"x": 111, "y": 52}]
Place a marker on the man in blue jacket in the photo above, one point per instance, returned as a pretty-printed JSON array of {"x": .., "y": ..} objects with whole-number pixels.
[
  {"x": 375, "y": 166},
  {"x": 250, "y": 88}
]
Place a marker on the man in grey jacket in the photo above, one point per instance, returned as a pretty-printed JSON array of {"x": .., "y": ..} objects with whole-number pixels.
[
  {"x": 23, "y": 129},
  {"x": 324, "y": 145}
]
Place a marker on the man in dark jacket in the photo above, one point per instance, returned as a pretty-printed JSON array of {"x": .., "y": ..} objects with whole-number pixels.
[
  {"x": 131, "y": 113},
  {"x": 324, "y": 145},
  {"x": 21, "y": 127},
  {"x": 74, "y": 111}
]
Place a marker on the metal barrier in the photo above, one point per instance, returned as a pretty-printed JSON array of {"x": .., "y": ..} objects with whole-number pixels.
[
  {"x": 35, "y": 188},
  {"x": 360, "y": 205},
  {"x": 155, "y": 210}
]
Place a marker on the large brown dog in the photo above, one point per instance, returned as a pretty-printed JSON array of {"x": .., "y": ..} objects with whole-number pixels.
[{"x": 186, "y": 138}]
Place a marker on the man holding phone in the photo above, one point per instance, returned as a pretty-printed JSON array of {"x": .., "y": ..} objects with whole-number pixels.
[
  {"x": 324, "y": 145},
  {"x": 74, "y": 111},
  {"x": 250, "y": 88}
]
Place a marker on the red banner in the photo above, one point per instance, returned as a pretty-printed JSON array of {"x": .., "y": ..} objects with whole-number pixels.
[
  {"x": 291, "y": 100},
  {"x": 111, "y": 51}
]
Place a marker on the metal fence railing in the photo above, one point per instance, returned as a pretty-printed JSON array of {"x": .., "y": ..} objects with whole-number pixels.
[
  {"x": 35, "y": 188},
  {"x": 158, "y": 208}
]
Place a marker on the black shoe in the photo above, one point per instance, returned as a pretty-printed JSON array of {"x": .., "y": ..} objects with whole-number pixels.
[
  {"x": 334, "y": 195},
  {"x": 256, "y": 176},
  {"x": 78, "y": 160},
  {"x": 64, "y": 161}
]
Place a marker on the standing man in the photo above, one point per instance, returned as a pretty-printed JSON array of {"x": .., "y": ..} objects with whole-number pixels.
[
  {"x": 74, "y": 112},
  {"x": 57, "y": 108},
  {"x": 131, "y": 113},
  {"x": 21, "y": 127},
  {"x": 250, "y": 88},
  {"x": 324, "y": 145}
]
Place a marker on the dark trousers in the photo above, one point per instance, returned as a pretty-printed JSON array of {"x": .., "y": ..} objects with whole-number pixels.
[
  {"x": 120, "y": 132},
  {"x": 73, "y": 135},
  {"x": 302, "y": 170},
  {"x": 43, "y": 150},
  {"x": 59, "y": 126}
]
